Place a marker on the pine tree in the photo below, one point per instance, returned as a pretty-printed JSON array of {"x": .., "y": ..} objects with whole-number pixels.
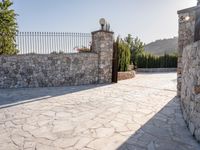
[{"x": 8, "y": 28}]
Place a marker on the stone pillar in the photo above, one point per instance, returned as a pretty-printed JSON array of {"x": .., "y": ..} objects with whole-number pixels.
[
  {"x": 186, "y": 36},
  {"x": 188, "y": 67},
  {"x": 102, "y": 44}
]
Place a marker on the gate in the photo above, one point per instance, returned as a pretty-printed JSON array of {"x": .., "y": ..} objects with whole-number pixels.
[{"x": 115, "y": 64}]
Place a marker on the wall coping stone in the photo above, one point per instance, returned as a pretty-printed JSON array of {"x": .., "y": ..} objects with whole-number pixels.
[
  {"x": 82, "y": 53},
  {"x": 103, "y": 31},
  {"x": 188, "y": 9}
]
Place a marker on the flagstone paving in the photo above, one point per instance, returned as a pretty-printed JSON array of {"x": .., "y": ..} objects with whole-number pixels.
[{"x": 138, "y": 114}]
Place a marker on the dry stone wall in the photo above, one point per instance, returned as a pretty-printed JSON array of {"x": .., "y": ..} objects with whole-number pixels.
[
  {"x": 186, "y": 36},
  {"x": 190, "y": 89},
  {"x": 61, "y": 69},
  {"x": 102, "y": 43},
  {"x": 48, "y": 70},
  {"x": 189, "y": 70}
]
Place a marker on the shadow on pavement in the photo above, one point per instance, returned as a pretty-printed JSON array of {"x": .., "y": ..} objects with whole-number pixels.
[
  {"x": 167, "y": 130},
  {"x": 13, "y": 97}
]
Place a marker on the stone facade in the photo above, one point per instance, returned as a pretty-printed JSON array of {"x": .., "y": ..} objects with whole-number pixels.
[
  {"x": 102, "y": 44},
  {"x": 190, "y": 89},
  {"x": 189, "y": 70},
  {"x": 186, "y": 36},
  {"x": 60, "y": 70},
  {"x": 48, "y": 70}
]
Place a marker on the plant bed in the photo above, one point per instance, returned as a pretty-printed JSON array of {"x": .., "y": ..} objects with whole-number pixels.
[
  {"x": 126, "y": 75},
  {"x": 84, "y": 50}
]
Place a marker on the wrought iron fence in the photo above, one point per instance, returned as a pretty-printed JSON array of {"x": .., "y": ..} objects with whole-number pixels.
[{"x": 52, "y": 42}]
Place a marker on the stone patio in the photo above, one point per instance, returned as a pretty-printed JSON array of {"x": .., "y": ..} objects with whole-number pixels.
[{"x": 138, "y": 114}]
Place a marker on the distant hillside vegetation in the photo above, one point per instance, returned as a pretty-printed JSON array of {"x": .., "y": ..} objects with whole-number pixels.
[{"x": 160, "y": 47}]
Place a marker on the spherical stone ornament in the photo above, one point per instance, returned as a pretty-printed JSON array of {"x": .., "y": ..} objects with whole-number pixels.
[{"x": 102, "y": 21}]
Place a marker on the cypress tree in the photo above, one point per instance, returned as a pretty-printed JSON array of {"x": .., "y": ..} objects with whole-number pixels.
[{"x": 124, "y": 55}]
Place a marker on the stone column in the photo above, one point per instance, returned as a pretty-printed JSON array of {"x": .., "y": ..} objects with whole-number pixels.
[
  {"x": 102, "y": 44},
  {"x": 186, "y": 37}
]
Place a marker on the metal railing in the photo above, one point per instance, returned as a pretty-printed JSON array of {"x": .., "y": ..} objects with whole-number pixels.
[{"x": 51, "y": 42}]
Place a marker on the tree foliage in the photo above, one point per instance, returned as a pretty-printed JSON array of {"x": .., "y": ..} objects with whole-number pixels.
[
  {"x": 123, "y": 54},
  {"x": 131, "y": 51},
  {"x": 147, "y": 60},
  {"x": 8, "y": 28},
  {"x": 136, "y": 47}
]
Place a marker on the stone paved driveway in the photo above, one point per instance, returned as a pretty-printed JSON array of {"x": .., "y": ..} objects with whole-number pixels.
[{"x": 138, "y": 114}]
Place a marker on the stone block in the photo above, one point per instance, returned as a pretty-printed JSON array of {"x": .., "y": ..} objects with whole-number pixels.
[
  {"x": 191, "y": 127},
  {"x": 197, "y": 89}
]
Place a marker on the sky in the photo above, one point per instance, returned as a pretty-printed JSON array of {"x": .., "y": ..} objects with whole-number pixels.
[{"x": 147, "y": 19}]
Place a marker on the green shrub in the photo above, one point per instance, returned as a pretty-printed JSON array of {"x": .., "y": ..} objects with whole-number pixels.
[
  {"x": 146, "y": 60},
  {"x": 124, "y": 55}
]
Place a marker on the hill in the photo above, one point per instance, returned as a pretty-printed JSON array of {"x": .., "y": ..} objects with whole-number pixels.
[{"x": 160, "y": 47}]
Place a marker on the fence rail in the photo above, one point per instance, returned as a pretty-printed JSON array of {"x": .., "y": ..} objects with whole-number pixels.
[{"x": 51, "y": 42}]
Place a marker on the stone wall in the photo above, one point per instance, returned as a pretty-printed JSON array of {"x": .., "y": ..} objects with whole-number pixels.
[
  {"x": 62, "y": 69},
  {"x": 189, "y": 70},
  {"x": 126, "y": 75},
  {"x": 102, "y": 43},
  {"x": 190, "y": 89},
  {"x": 48, "y": 70},
  {"x": 186, "y": 36}
]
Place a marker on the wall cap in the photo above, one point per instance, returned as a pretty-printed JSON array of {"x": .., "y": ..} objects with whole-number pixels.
[
  {"x": 188, "y": 9},
  {"x": 102, "y": 31}
]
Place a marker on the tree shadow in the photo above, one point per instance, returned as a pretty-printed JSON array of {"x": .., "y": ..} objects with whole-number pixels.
[
  {"x": 167, "y": 130},
  {"x": 13, "y": 97}
]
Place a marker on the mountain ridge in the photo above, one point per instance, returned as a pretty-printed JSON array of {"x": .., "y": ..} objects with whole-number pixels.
[{"x": 162, "y": 46}]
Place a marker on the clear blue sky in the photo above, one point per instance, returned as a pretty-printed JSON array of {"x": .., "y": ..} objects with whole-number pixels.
[{"x": 148, "y": 19}]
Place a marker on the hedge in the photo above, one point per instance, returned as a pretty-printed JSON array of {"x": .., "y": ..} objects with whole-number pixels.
[{"x": 147, "y": 60}]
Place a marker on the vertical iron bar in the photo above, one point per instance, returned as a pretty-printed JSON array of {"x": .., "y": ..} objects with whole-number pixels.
[
  {"x": 60, "y": 41},
  {"x": 26, "y": 49},
  {"x": 35, "y": 48},
  {"x": 45, "y": 41},
  {"x": 55, "y": 42},
  {"x": 67, "y": 42},
  {"x": 70, "y": 37},
  {"x": 40, "y": 43},
  {"x": 61, "y": 36}
]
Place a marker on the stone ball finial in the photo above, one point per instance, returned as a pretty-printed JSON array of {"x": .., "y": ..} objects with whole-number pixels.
[{"x": 102, "y": 22}]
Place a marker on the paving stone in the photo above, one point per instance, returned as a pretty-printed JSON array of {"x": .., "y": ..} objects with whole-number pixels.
[
  {"x": 104, "y": 132},
  {"x": 130, "y": 115},
  {"x": 65, "y": 142},
  {"x": 60, "y": 126},
  {"x": 82, "y": 143}
]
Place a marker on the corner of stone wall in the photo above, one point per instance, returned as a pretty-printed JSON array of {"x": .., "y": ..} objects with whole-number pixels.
[
  {"x": 102, "y": 44},
  {"x": 188, "y": 82},
  {"x": 186, "y": 36}
]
